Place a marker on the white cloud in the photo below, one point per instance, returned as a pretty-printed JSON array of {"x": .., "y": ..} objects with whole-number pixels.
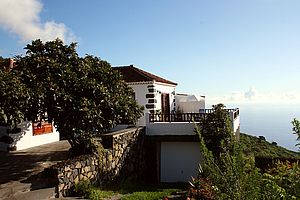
[
  {"x": 252, "y": 95},
  {"x": 21, "y": 17}
]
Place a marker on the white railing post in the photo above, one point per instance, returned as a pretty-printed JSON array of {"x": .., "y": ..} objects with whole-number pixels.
[
  {"x": 143, "y": 120},
  {"x": 147, "y": 118}
]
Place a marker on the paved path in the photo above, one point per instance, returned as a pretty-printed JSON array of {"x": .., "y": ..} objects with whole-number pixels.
[{"x": 19, "y": 170}]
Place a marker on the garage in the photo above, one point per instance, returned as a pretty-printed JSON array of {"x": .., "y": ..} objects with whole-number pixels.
[{"x": 179, "y": 161}]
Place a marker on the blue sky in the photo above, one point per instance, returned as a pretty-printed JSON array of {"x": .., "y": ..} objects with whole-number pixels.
[{"x": 236, "y": 51}]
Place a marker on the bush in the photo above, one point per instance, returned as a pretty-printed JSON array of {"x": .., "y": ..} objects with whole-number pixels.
[
  {"x": 83, "y": 96},
  {"x": 234, "y": 176},
  {"x": 287, "y": 176},
  {"x": 230, "y": 174},
  {"x": 201, "y": 188},
  {"x": 87, "y": 190}
]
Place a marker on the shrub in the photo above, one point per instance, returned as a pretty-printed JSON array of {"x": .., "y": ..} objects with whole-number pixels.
[
  {"x": 87, "y": 190},
  {"x": 233, "y": 175},
  {"x": 201, "y": 188},
  {"x": 230, "y": 174},
  {"x": 287, "y": 176}
]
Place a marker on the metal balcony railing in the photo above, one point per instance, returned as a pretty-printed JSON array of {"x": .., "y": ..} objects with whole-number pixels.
[{"x": 187, "y": 117}]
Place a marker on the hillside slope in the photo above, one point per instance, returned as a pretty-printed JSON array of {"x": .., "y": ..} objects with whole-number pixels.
[{"x": 262, "y": 148}]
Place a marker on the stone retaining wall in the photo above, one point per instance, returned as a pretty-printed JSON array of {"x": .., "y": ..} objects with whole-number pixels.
[{"x": 122, "y": 158}]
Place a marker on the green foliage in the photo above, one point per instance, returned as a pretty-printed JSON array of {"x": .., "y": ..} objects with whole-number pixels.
[
  {"x": 145, "y": 195},
  {"x": 4, "y": 63},
  {"x": 13, "y": 94},
  {"x": 126, "y": 191},
  {"x": 83, "y": 96},
  {"x": 216, "y": 129},
  {"x": 296, "y": 129},
  {"x": 270, "y": 189},
  {"x": 233, "y": 174},
  {"x": 287, "y": 176},
  {"x": 258, "y": 147},
  {"x": 86, "y": 190},
  {"x": 201, "y": 188},
  {"x": 82, "y": 188}
]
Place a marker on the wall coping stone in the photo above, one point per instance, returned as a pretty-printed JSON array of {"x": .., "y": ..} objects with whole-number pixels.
[{"x": 123, "y": 131}]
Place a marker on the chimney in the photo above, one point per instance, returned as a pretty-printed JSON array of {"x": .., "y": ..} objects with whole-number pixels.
[{"x": 11, "y": 63}]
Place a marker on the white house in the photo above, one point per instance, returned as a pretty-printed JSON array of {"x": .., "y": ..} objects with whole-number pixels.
[
  {"x": 156, "y": 94},
  {"x": 188, "y": 103},
  {"x": 29, "y": 135},
  {"x": 172, "y": 147}
]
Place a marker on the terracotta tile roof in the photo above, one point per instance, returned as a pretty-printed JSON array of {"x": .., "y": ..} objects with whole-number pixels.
[{"x": 133, "y": 74}]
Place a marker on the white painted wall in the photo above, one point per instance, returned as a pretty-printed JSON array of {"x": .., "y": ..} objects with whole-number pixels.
[
  {"x": 191, "y": 107},
  {"x": 170, "y": 128},
  {"x": 179, "y": 128},
  {"x": 179, "y": 161},
  {"x": 25, "y": 139},
  {"x": 236, "y": 124},
  {"x": 189, "y": 103},
  {"x": 141, "y": 89}
]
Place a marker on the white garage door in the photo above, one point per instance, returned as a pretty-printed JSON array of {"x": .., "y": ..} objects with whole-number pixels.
[{"x": 179, "y": 161}]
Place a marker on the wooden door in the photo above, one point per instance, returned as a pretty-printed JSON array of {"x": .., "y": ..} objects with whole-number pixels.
[{"x": 165, "y": 106}]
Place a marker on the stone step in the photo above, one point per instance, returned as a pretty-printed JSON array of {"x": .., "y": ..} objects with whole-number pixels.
[{"x": 41, "y": 194}]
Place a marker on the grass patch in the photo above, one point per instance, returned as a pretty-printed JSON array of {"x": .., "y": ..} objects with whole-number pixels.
[
  {"x": 89, "y": 191},
  {"x": 97, "y": 194},
  {"x": 129, "y": 191},
  {"x": 154, "y": 195}
]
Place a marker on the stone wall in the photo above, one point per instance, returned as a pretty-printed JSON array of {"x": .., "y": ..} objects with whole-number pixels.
[
  {"x": 122, "y": 158},
  {"x": 71, "y": 172}
]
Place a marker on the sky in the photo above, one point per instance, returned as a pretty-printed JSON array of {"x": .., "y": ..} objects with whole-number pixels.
[{"x": 231, "y": 51}]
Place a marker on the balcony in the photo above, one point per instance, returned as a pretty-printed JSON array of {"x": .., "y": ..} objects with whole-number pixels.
[{"x": 189, "y": 117}]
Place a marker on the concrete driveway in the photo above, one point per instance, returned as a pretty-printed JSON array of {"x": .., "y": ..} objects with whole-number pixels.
[{"x": 19, "y": 170}]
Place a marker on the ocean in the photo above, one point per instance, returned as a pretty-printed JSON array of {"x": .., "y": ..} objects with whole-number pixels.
[{"x": 273, "y": 121}]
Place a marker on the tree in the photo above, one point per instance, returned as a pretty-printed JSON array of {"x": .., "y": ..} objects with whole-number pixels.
[
  {"x": 296, "y": 129},
  {"x": 230, "y": 173},
  {"x": 83, "y": 96},
  {"x": 216, "y": 129},
  {"x": 4, "y": 62},
  {"x": 13, "y": 95},
  {"x": 227, "y": 173}
]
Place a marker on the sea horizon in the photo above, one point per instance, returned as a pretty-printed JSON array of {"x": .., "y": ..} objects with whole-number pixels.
[{"x": 271, "y": 120}]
